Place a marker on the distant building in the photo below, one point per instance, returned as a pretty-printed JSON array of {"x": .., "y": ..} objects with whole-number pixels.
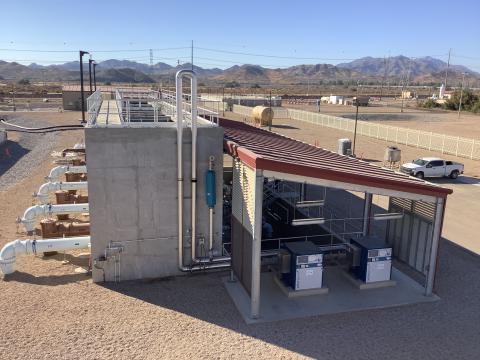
[
  {"x": 72, "y": 97},
  {"x": 408, "y": 94},
  {"x": 336, "y": 99},
  {"x": 360, "y": 100},
  {"x": 441, "y": 92}
]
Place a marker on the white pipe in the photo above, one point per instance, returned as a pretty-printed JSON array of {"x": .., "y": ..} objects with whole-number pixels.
[
  {"x": 57, "y": 171},
  {"x": 45, "y": 189},
  {"x": 193, "y": 99},
  {"x": 15, "y": 248},
  {"x": 179, "y": 103},
  {"x": 215, "y": 263},
  {"x": 179, "y": 90},
  {"x": 33, "y": 212}
]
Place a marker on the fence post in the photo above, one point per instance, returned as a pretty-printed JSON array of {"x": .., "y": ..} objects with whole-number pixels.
[
  {"x": 473, "y": 148},
  {"x": 378, "y": 131},
  {"x": 396, "y": 135},
  {"x": 456, "y": 149},
  {"x": 430, "y": 141},
  {"x": 443, "y": 144}
]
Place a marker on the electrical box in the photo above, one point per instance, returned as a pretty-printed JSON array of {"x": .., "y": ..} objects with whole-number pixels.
[
  {"x": 306, "y": 266},
  {"x": 372, "y": 259}
]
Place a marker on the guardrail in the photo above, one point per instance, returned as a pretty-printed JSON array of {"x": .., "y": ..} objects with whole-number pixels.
[{"x": 446, "y": 144}]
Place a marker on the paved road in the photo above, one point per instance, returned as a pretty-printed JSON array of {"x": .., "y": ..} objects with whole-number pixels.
[{"x": 462, "y": 216}]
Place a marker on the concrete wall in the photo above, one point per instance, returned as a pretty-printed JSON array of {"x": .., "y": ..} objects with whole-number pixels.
[{"x": 132, "y": 184}]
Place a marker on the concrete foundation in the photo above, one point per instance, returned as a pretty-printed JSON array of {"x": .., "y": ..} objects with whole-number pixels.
[{"x": 132, "y": 186}]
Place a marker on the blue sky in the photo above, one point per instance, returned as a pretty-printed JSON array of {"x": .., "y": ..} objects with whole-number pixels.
[{"x": 289, "y": 32}]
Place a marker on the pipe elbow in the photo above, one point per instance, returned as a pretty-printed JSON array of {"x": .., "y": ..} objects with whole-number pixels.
[
  {"x": 8, "y": 257},
  {"x": 43, "y": 191},
  {"x": 28, "y": 219},
  {"x": 56, "y": 172}
]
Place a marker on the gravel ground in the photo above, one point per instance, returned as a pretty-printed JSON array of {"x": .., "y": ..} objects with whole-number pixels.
[
  {"x": 50, "y": 312},
  {"x": 24, "y": 151}
]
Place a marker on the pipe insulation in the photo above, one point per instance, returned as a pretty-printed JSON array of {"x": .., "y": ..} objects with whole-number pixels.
[
  {"x": 9, "y": 253},
  {"x": 58, "y": 171},
  {"x": 29, "y": 217},
  {"x": 45, "y": 189}
]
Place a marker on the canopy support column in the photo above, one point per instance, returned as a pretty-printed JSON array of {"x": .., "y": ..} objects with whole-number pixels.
[
  {"x": 366, "y": 213},
  {"x": 257, "y": 246},
  {"x": 437, "y": 232}
]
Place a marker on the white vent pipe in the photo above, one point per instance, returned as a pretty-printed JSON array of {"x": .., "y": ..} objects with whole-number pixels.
[
  {"x": 11, "y": 250},
  {"x": 30, "y": 215},
  {"x": 45, "y": 189},
  {"x": 57, "y": 171}
]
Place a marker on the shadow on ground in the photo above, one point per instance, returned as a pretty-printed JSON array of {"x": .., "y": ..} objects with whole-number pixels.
[
  {"x": 283, "y": 126},
  {"x": 461, "y": 180},
  {"x": 10, "y": 153},
  {"x": 53, "y": 280}
]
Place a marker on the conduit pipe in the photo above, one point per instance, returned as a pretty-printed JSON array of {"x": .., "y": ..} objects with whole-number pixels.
[
  {"x": 57, "y": 171},
  {"x": 11, "y": 250},
  {"x": 45, "y": 189},
  {"x": 35, "y": 211}
]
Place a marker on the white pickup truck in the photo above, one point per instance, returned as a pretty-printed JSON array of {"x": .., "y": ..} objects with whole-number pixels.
[{"x": 432, "y": 167}]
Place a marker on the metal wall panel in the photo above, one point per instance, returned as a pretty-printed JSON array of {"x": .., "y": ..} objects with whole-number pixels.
[{"x": 411, "y": 236}]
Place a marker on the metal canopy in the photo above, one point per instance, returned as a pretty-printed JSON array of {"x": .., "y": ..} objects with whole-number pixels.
[{"x": 277, "y": 154}]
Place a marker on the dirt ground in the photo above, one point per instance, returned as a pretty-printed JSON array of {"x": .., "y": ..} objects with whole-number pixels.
[
  {"x": 51, "y": 312},
  {"x": 439, "y": 121}
]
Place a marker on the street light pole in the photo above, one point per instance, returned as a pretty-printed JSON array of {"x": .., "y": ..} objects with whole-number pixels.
[
  {"x": 81, "y": 84},
  {"x": 461, "y": 96},
  {"x": 94, "y": 76},
  {"x": 355, "y": 131},
  {"x": 90, "y": 61}
]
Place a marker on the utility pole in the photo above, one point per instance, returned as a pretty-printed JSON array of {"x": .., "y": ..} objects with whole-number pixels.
[
  {"x": 384, "y": 77},
  {"x": 223, "y": 101},
  {"x": 191, "y": 60},
  {"x": 461, "y": 96},
  {"x": 13, "y": 98},
  {"x": 355, "y": 131},
  {"x": 446, "y": 70},
  {"x": 81, "y": 84},
  {"x": 151, "y": 61},
  {"x": 270, "y": 122}
]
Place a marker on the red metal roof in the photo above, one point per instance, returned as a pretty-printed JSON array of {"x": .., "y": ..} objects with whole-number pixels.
[{"x": 261, "y": 149}]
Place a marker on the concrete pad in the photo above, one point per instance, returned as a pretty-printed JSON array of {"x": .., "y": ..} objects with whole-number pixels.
[
  {"x": 287, "y": 290},
  {"x": 343, "y": 296},
  {"x": 365, "y": 286}
]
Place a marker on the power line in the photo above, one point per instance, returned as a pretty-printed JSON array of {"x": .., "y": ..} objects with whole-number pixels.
[
  {"x": 95, "y": 51},
  {"x": 271, "y": 56}
]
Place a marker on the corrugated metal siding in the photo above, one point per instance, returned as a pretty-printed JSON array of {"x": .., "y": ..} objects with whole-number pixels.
[
  {"x": 421, "y": 208},
  {"x": 411, "y": 236}
]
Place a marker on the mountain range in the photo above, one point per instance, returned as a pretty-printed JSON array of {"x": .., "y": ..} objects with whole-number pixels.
[{"x": 426, "y": 70}]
